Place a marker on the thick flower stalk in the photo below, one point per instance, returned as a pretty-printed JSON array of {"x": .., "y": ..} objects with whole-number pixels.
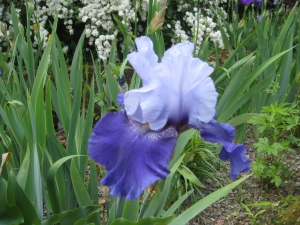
[{"x": 136, "y": 144}]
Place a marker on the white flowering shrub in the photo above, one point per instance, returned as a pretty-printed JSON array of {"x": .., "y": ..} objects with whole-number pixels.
[
  {"x": 185, "y": 20},
  {"x": 195, "y": 21},
  {"x": 47, "y": 10},
  {"x": 4, "y": 33},
  {"x": 101, "y": 29},
  {"x": 5, "y": 22}
]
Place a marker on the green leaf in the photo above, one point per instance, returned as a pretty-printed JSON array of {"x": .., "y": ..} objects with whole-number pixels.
[
  {"x": 238, "y": 93},
  {"x": 177, "y": 204},
  {"x": 180, "y": 145},
  {"x": 41, "y": 73},
  {"x": 285, "y": 30},
  {"x": 131, "y": 210},
  {"x": 34, "y": 182},
  {"x": 8, "y": 214},
  {"x": 127, "y": 39},
  {"x": 82, "y": 195},
  {"x": 262, "y": 145},
  {"x": 93, "y": 183},
  {"x": 277, "y": 181},
  {"x": 167, "y": 187},
  {"x": 51, "y": 184},
  {"x": 111, "y": 213},
  {"x": 144, "y": 221},
  {"x": 198, "y": 207},
  {"x": 80, "y": 214},
  {"x": 17, "y": 195},
  {"x": 244, "y": 118},
  {"x": 112, "y": 84},
  {"x": 188, "y": 174}
]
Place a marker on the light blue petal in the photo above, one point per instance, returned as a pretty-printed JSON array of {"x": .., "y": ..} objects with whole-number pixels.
[{"x": 178, "y": 90}]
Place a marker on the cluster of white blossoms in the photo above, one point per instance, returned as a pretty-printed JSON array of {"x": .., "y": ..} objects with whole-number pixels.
[
  {"x": 194, "y": 24},
  {"x": 4, "y": 13},
  {"x": 5, "y": 22},
  {"x": 50, "y": 8},
  {"x": 3, "y": 35},
  {"x": 202, "y": 22},
  {"x": 203, "y": 27},
  {"x": 99, "y": 23},
  {"x": 179, "y": 33}
]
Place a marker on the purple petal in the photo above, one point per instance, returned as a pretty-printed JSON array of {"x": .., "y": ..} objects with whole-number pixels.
[
  {"x": 122, "y": 81},
  {"x": 120, "y": 99},
  {"x": 175, "y": 91},
  {"x": 236, "y": 155},
  {"x": 216, "y": 132},
  {"x": 134, "y": 156},
  {"x": 258, "y": 3},
  {"x": 224, "y": 135}
]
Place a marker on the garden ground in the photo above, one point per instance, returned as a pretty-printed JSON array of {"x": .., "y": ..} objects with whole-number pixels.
[{"x": 230, "y": 211}]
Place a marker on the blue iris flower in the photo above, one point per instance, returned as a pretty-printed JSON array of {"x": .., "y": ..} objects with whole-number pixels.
[
  {"x": 258, "y": 3},
  {"x": 136, "y": 143}
]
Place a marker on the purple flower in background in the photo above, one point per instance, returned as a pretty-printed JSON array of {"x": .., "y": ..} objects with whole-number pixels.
[
  {"x": 123, "y": 89},
  {"x": 122, "y": 81},
  {"x": 120, "y": 99},
  {"x": 136, "y": 144},
  {"x": 258, "y": 3},
  {"x": 259, "y": 18}
]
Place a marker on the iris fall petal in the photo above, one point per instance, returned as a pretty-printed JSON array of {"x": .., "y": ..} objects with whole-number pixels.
[
  {"x": 134, "y": 156},
  {"x": 224, "y": 135}
]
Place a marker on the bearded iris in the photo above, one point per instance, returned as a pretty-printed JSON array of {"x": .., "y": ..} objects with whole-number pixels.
[{"x": 135, "y": 144}]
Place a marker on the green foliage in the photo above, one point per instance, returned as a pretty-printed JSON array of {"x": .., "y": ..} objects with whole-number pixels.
[
  {"x": 277, "y": 126},
  {"x": 145, "y": 221},
  {"x": 44, "y": 173},
  {"x": 38, "y": 178},
  {"x": 201, "y": 162},
  {"x": 262, "y": 206},
  {"x": 244, "y": 81},
  {"x": 290, "y": 215}
]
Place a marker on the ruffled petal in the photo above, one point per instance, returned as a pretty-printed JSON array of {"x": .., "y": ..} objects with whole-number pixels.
[
  {"x": 224, "y": 135},
  {"x": 134, "y": 156},
  {"x": 236, "y": 155},
  {"x": 174, "y": 91},
  {"x": 144, "y": 59}
]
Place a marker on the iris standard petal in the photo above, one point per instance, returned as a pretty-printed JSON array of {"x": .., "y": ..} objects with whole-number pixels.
[
  {"x": 175, "y": 91},
  {"x": 134, "y": 156},
  {"x": 224, "y": 135}
]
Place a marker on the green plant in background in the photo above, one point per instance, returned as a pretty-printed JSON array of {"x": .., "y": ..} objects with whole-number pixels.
[
  {"x": 277, "y": 127},
  {"x": 259, "y": 57},
  {"x": 202, "y": 160},
  {"x": 264, "y": 207},
  {"x": 44, "y": 181},
  {"x": 288, "y": 211},
  {"x": 39, "y": 89}
]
